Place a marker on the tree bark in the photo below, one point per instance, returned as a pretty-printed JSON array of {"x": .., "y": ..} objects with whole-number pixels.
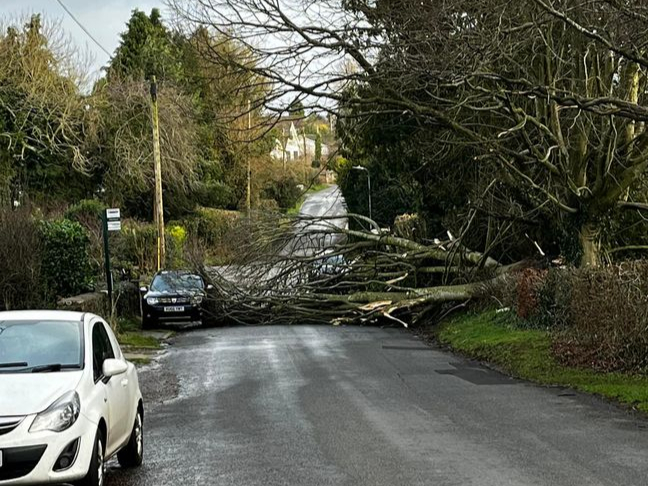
[{"x": 590, "y": 245}]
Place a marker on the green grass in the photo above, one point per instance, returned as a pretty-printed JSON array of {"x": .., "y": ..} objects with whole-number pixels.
[
  {"x": 294, "y": 211},
  {"x": 525, "y": 353},
  {"x": 129, "y": 324},
  {"x": 140, "y": 361},
  {"x": 318, "y": 187},
  {"x": 137, "y": 340}
]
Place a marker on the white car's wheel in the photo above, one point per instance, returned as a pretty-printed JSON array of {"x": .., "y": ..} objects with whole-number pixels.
[
  {"x": 133, "y": 454},
  {"x": 97, "y": 471}
]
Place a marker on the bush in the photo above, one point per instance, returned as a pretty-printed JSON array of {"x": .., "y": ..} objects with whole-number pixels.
[
  {"x": 598, "y": 316},
  {"x": 553, "y": 298},
  {"x": 21, "y": 286},
  {"x": 528, "y": 286},
  {"x": 283, "y": 190},
  {"x": 134, "y": 248},
  {"x": 88, "y": 212},
  {"x": 212, "y": 225},
  {"x": 607, "y": 318},
  {"x": 215, "y": 195},
  {"x": 268, "y": 205},
  {"x": 177, "y": 233},
  {"x": 215, "y": 231},
  {"x": 176, "y": 237},
  {"x": 66, "y": 267},
  {"x": 127, "y": 299}
]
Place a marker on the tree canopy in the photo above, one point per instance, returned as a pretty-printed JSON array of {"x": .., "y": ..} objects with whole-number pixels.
[
  {"x": 147, "y": 49},
  {"x": 60, "y": 144},
  {"x": 518, "y": 126},
  {"x": 41, "y": 114}
]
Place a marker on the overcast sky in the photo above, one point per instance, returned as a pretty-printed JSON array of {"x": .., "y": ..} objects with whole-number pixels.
[{"x": 105, "y": 19}]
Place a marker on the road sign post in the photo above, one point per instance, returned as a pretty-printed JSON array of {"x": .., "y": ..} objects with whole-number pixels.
[{"x": 111, "y": 219}]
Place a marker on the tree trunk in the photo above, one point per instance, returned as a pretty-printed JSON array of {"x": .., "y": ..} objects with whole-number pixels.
[{"x": 590, "y": 245}]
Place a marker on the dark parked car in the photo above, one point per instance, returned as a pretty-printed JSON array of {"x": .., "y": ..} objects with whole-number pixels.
[
  {"x": 329, "y": 266},
  {"x": 174, "y": 296}
]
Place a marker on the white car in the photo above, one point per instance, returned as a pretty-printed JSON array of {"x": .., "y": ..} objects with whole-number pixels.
[{"x": 68, "y": 399}]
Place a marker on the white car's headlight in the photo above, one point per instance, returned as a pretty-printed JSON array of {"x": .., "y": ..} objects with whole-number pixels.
[
  {"x": 152, "y": 301},
  {"x": 197, "y": 299},
  {"x": 60, "y": 416}
]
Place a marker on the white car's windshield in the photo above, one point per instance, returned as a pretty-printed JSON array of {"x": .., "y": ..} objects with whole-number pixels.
[{"x": 32, "y": 346}]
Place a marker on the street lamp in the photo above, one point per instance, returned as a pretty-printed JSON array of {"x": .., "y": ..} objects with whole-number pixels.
[{"x": 359, "y": 167}]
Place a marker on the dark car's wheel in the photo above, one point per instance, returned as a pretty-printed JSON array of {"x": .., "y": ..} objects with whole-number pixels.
[
  {"x": 133, "y": 453},
  {"x": 97, "y": 470}
]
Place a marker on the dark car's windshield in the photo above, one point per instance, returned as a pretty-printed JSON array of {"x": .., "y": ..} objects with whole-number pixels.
[
  {"x": 173, "y": 282},
  {"x": 36, "y": 345}
]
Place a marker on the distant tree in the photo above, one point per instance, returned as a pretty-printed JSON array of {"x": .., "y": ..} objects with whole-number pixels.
[
  {"x": 221, "y": 92},
  {"x": 146, "y": 49},
  {"x": 41, "y": 115},
  {"x": 121, "y": 149},
  {"x": 296, "y": 109}
]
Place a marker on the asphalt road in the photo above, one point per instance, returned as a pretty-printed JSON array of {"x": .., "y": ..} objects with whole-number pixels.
[
  {"x": 327, "y": 202},
  {"x": 306, "y": 406},
  {"x": 320, "y": 213}
]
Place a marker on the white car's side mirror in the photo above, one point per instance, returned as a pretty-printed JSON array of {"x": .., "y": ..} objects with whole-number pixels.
[
  {"x": 210, "y": 287},
  {"x": 144, "y": 289},
  {"x": 113, "y": 367}
]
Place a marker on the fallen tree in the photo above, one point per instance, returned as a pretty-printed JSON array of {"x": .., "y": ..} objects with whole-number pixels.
[{"x": 318, "y": 270}]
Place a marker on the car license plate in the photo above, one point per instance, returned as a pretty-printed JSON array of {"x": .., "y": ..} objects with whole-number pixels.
[{"x": 174, "y": 309}]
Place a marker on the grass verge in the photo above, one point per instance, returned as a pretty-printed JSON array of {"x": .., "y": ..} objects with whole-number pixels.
[
  {"x": 138, "y": 341},
  {"x": 129, "y": 324},
  {"x": 140, "y": 361},
  {"x": 526, "y": 353}
]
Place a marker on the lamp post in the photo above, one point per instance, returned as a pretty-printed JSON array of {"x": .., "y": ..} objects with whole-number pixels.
[{"x": 359, "y": 167}]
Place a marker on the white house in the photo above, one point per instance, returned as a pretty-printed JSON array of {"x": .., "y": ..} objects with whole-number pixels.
[{"x": 297, "y": 146}]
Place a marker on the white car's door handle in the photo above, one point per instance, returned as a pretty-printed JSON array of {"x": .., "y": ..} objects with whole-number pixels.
[{"x": 124, "y": 382}]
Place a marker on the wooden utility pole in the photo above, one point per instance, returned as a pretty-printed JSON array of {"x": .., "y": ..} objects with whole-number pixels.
[
  {"x": 248, "y": 202},
  {"x": 158, "y": 210}
]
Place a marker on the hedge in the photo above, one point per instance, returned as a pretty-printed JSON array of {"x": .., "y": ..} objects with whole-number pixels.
[{"x": 66, "y": 267}]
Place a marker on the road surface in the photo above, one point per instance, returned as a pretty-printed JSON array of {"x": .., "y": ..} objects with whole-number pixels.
[
  {"x": 321, "y": 213},
  {"x": 308, "y": 406},
  {"x": 327, "y": 202}
]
